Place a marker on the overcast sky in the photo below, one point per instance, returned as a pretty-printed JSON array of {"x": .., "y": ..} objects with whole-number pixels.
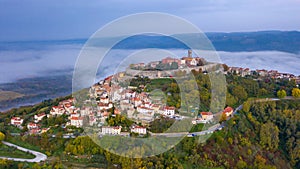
[{"x": 60, "y": 19}]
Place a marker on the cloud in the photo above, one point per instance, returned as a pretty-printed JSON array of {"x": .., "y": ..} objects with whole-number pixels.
[
  {"x": 17, "y": 64},
  {"x": 270, "y": 60},
  {"x": 50, "y": 59}
]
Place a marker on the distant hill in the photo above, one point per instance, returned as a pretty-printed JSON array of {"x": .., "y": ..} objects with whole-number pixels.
[
  {"x": 257, "y": 41},
  {"x": 285, "y": 41},
  {"x": 231, "y": 42}
]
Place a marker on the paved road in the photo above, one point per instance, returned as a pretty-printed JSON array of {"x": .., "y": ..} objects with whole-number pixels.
[
  {"x": 38, "y": 156},
  {"x": 179, "y": 134}
]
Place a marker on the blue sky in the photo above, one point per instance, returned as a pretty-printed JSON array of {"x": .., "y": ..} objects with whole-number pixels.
[{"x": 60, "y": 19}]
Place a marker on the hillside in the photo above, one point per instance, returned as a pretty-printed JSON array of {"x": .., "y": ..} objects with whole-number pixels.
[
  {"x": 262, "y": 135},
  {"x": 259, "y": 137}
]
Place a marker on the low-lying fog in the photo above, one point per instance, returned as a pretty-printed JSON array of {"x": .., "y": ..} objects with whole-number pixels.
[{"x": 60, "y": 58}]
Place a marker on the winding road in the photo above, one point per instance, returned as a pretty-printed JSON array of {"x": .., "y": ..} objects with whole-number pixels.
[{"x": 38, "y": 156}]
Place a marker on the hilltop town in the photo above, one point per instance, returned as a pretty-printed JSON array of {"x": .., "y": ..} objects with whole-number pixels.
[
  {"x": 144, "y": 101},
  {"x": 113, "y": 100}
]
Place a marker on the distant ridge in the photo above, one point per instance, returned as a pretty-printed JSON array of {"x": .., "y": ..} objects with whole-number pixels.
[{"x": 285, "y": 41}]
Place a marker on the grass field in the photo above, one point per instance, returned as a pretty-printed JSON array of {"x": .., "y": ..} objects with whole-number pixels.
[
  {"x": 197, "y": 128},
  {"x": 18, "y": 141},
  {"x": 6, "y": 151}
]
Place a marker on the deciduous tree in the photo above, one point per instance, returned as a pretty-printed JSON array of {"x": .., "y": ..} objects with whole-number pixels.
[
  {"x": 281, "y": 93},
  {"x": 296, "y": 92},
  {"x": 269, "y": 136},
  {"x": 239, "y": 92},
  {"x": 2, "y": 136}
]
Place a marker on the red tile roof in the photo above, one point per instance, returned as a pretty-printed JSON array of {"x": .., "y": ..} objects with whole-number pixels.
[
  {"x": 169, "y": 108},
  {"x": 228, "y": 109},
  {"x": 206, "y": 113},
  {"x": 41, "y": 114},
  {"x": 77, "y": 118}
]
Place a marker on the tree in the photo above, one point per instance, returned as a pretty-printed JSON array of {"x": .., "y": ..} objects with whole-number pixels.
[
  {"x": 296, "y": 92},
  {"x": 241, "y": 164},
  {"x": 2, "y": 136},
  {"x": 230, "y": 100},
  {"x": 36, "y": 166},
  {"x": 262, "y": 92},
  {"x": 223, "y": 118},
  {"x": 4, "y": 163},
  {"x": 269, "y": 136},
  {"x": 240, "y": 92},
  {"x": 281, "y": 93},
  {"x": 246, "y": 106}
]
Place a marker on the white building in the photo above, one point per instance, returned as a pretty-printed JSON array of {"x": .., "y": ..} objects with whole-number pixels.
[
  {"x": 207, "y": 116},
  {"x": 39, "y": 117},
  {"x": 16, "y": 121},
  {"x": 204, "y": 118},
  {"x": 33, "y": 126},
  {"x": 138, "y": 130},
  {"x": 115, "y": 130},
  {"x": 77, "y": 121},
  {"x": 169, "y": 111},
  {"x": 57, "y": 110}
]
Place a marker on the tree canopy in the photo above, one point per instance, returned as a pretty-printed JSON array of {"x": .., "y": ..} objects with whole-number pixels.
[
  {"x": 2, "y": 136},
  {"x": 269, "y": 136},
  {"x": 281, "y": 93},
  {"x": 296, "y": 92}
]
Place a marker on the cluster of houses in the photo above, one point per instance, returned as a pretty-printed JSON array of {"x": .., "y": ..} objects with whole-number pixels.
[
  {"x": 64, "y": 107},
  {"x": 206, "y": 117},
  {"x": 141, "y": 107},
  {"x": 189, "y": 61},
  {"x": 136, "y": 105},
  {"x": 75, "y": 115},
  {"x": 240, "y": 71},
  {"x": 90, "y": 115},
  {"x": 33, "y": 127},
  {"x": 274, "y": 74}
]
